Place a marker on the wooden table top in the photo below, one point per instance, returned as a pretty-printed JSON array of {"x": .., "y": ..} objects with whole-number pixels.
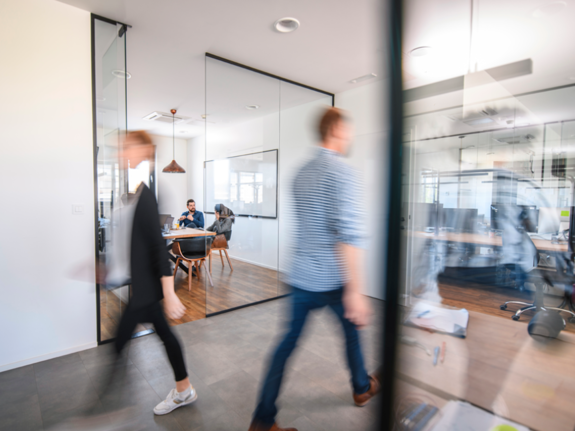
[
  {"x": 498, "y": 367},
  {"x": 475, "y": 238},
  {"x": 187, "y": 233}
]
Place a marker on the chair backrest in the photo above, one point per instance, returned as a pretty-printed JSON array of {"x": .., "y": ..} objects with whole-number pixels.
[
  {"x": 228, "y": 235},
  {"x": 200, "y": 245}
]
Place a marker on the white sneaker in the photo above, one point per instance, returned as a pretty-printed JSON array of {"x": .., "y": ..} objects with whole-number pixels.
[{"x": 172, "y": 402}]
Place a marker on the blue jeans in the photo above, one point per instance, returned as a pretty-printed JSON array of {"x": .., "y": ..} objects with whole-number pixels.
[{"x": 303, "y": 301}]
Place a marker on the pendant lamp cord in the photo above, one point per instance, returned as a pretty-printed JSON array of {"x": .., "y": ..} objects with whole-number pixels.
[{"x": 174, "y": 136}]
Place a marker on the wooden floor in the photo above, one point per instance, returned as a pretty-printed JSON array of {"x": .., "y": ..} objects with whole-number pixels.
[
  {"x": 487, "y": 299},
  {"x": 246, "y": 284}
]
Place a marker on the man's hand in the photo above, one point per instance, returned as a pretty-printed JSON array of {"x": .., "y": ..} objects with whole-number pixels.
[
  {"x": 190, "y": 217},
  {"x": 181, "y": 218},
  {"x": 173, "y": 307},
  {"x": 356, "y": 308},
  {"x": 217, "y": 215}
]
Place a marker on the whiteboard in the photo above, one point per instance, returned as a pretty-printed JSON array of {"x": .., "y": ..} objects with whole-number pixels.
[{"x": 245, "y": 184}]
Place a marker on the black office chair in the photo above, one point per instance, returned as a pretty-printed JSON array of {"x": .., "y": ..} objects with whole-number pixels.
[
  {"x": 544, "y": 278},
  {"x": 221, "y": 244},
  {"x": 194, "y": 251}
]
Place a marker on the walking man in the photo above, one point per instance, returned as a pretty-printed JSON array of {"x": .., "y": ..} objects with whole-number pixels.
[{"x": 326, "y": 204}]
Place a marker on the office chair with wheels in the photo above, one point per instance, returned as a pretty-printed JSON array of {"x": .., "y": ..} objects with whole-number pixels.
[{"x": 193, "y": 251}]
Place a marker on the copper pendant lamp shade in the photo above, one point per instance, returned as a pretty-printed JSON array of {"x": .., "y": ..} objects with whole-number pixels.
[{"x": 173, "y": 167}]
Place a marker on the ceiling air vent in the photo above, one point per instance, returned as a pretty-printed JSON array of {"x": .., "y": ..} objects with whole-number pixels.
[
  {"x": 164, "y": 117},
  {"x": 517, "y": 139}
]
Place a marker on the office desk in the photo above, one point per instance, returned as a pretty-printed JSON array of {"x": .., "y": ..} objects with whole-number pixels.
[
  {"x": 498, "y": 367},
  {"x": 187, "y": 233},
  {"x": 484, "y": 240}
]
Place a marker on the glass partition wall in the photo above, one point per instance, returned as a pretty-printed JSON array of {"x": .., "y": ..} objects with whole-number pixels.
[
  {"x": 111, "y": 182},
  {"x": 486, "y": 319},
  {"x": 258, "y": 129}
]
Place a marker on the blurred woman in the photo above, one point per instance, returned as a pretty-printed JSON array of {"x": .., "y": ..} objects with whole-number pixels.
[
  {"x": 151, "y": 278},
  {"x": 224, "y": 219}
]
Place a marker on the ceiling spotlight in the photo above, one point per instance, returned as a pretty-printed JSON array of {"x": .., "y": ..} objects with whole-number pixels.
[
  {"x": 421, "y": 51},
  {"x": 121, "y": 74},
  {"x": 286, "y": 25},
  {"x": 183, "y": 131},
  {"x": 204, "y": 116},
  {"x": 363, "y": 78},
  {"x": 252, "y": 107},
  {"x": 548, "y": 9}
]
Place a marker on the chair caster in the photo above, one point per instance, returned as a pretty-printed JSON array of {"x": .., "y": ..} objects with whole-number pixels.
[
  {"x": 515, "y": 317},
  {"x": 503, "y": 307}
]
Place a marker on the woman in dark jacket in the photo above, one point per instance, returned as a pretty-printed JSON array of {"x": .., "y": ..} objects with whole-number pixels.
[
  {"x": 152, "y": 280},
  {"x": 224, "y": 219}
]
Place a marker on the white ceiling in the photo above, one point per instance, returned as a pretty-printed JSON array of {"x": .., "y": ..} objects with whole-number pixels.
[{"x": 338, "y": 41}]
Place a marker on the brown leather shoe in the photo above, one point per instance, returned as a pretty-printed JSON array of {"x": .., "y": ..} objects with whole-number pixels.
[
  {"x": 374, "y": 387},
  {"x": 258, "y": 426}
]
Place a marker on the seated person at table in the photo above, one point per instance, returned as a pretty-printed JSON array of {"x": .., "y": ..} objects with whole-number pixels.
[
  {"x": 224, "y": 219},
  {"x": 192, "y": 218}
]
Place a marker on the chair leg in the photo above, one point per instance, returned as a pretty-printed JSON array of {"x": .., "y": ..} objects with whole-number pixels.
[
  {"x": 176, "y": 268},
  {"x": 504, "y": 305},
  {"x": 222, "y": 258},
  {"x": 190, "y": 266},
  {"x": 197, "y": 270},
  {"x": 229, "y": 261},
  {"x": 208, "y": 273},
  {"x": 210, "y": 261}
]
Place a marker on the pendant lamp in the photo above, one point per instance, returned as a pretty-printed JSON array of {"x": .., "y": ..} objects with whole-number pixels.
[{"x": 173, "y": 167}]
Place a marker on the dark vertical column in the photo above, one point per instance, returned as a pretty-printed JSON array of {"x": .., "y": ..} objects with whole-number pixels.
[{"x": 393, "y": 21}]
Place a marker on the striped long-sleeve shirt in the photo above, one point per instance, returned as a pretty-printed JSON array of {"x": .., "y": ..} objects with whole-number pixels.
[{"x": 327, "y": 205}]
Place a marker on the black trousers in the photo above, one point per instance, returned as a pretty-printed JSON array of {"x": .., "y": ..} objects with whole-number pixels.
[{"x": 155, "y": 315}]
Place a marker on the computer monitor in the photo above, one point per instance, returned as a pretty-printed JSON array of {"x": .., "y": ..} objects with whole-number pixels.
[
  {"x": 460, "y": 219},
  {"x": 550, "y": 219},
  {"x": 423, "y": 215},
  {"x": 530, "y": 217}
]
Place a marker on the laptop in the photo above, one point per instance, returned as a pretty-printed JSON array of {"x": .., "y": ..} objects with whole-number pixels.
[{"x": 163, "y": 218}]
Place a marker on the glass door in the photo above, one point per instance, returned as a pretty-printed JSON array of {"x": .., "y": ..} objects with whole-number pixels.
[{"x": 111, "y": 182}]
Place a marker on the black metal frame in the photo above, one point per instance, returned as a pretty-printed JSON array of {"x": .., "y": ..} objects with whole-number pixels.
[
  {"x": 391, "y": 274},
  {"x": 261, "y": 72},
  {"x": 277, "y": 180},
  {"x": 93, "y": 18}
]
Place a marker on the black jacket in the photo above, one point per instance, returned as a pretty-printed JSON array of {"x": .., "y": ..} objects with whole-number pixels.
[{"x": 148, "y": 254}]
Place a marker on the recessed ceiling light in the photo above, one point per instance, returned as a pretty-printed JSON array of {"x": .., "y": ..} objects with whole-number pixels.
[
  {"x": 548, "y": 9},
  {"x": 251, "y": 107},
  {"x": 121, "y": 74},
  {"x": 421, "y": 51},
  {"x": 363, "y": 78},
  {"x": 286, "y": 25},
  {"x": 571, "y": 78},
  {"x": 183, "y": 131},
  {"x": 204, "y": 116}
]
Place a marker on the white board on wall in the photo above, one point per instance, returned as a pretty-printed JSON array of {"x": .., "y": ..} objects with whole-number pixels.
[{"x": 246, "y": 184}]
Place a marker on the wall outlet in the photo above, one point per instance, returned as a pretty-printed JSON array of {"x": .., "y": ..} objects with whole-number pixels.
[{"x": 78, "y": 209}]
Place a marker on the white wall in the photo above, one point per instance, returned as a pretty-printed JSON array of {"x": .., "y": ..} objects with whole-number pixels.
[
  {"x": 172, "y": 188},
  {"x": 369, "y": 153},
  {"x": 46, "y": 166}
]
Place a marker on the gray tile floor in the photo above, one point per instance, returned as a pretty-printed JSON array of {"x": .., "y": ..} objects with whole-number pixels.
[{"x": 225, "y": 356}]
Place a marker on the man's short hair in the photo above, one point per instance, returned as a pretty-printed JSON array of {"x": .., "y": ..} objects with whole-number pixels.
[
  {"x": 190, "y": 201},
  {"x": 330, "y": 118}
]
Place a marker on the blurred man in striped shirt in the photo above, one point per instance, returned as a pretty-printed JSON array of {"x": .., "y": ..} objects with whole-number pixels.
[{"x": 325, "y": 270}]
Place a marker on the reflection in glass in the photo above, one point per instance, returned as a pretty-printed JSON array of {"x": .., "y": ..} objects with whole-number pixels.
[{"x": 487, "y": 225}]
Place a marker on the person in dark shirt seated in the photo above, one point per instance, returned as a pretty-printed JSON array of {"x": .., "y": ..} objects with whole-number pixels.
[
  {"x": 192, "y": 218},
  {"x": 224, "y": 219}
]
